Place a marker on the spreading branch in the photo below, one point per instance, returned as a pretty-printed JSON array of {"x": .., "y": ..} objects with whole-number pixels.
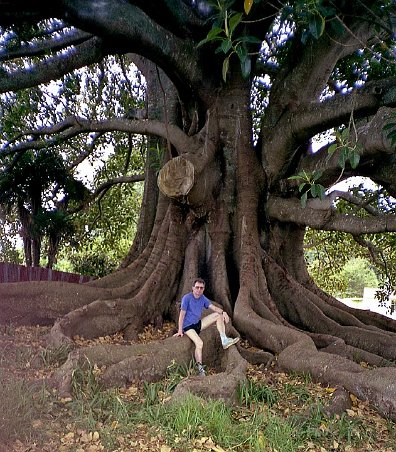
[
  {"x": 52, "y": 44},
  {"x": 104, "y": 188},
  {"x": 134, "y": 31},
  {"x": 337, "y": 110},
  {"x": 290, "y": 210},
  {"x": 374, "y": 147},
  {"x": 73, "y": 126},
  {"x": 52, "y": 68}
]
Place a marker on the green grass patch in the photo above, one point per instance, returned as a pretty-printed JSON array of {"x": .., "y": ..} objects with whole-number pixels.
[
  {"x": 283, "y": 414},
  {"x": 21, "y": 405}
]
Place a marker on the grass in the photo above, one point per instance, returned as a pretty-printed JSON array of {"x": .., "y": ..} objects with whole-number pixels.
[
  {"x": 274, "y": 412},
  {"x": 260, "y": 422},
  {"x": 56, "y": 356},
  {"x": 21, "y": 405}
]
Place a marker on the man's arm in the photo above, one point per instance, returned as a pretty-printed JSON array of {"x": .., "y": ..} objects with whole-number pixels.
[{"x": 181, "y": 320}]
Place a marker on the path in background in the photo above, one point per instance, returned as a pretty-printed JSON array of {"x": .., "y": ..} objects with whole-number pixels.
[{"x": 369, "y": 302}]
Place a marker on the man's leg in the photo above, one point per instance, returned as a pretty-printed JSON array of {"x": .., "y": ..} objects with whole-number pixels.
[
  {"x": 211, "y": 319},
  {"x": 218, "y": 319},
  {"x": 198, "y": 342}
]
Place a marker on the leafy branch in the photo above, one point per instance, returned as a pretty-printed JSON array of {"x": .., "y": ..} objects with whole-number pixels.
[
  {"x": 349, "y": 149},
  {"x": 390, "y": 131},
  {"x": 308, "y": 185},
  {"x": 224, "y": 32}
]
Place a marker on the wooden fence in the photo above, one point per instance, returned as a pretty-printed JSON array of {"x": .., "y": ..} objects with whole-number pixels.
[{"x": 17, "y": 273}]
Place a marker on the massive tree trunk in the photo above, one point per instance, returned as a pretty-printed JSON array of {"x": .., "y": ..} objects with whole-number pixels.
[
  {"x": 228, "y": 213},
  {"x": 211, "y": 225}
]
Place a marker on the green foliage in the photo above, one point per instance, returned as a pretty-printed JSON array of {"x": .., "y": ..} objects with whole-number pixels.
[
  {"x": 230, "y": 40},
  {"x": 24, "y": 189},
  {"x": 390, "y": 130},
  {"x": 327, "y": 253},
  {"x": 348, "y": 149},
  {"x": 156, "y": 156},
  {"x": 55, "y": 356},
  {"x": 228, "y": 33},
  {"x": 343, "y": 268},
  {"x": 105, "y": 232},
  {"x": 9, "y": 251},
  {"x": 308, "y": 185},
  {"x": 358, "y": 274},
  {"x": 102, "y": 91},
  {"x": 96, "y": 263},
  {"x": 311, "y": 17}
]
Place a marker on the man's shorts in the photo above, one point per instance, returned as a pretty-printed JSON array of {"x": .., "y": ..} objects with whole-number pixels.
[{"x": 195, "y": 326}]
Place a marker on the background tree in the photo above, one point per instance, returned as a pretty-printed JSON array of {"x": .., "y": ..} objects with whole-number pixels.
[
  {"x": 229, "y": 207},
  {"x": 62, "y": 197},
  {"x": 23, "y": 186},
  {"x": 8, "y": 240},
  {"x": 104, "y": 230},
  {"x": 328, "y": 253},
  {"x": 357, "y": 275}
]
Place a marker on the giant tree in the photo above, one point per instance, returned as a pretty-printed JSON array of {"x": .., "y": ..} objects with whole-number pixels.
[{"x": 229, "y": 206}]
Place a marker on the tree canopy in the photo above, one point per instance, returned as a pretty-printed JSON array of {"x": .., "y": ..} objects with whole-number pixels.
[{"x": 236, "y": 94}]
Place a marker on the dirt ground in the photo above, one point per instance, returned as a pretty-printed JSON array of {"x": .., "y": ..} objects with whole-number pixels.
[
  {"x": 26, "y": 424},
  {"x": 33, "y": 418}
]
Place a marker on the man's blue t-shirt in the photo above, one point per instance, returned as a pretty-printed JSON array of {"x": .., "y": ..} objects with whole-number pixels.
[{"x": 193, "y": 307}]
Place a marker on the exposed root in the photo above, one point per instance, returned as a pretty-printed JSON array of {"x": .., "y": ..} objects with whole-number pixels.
[
  {"x": 261, "y": 332},
  {"x": 307, "y": 315},
  {"x": 221, "y": 386},
  {"x": 103, "y": 317},
  {"x": 256, "y": 357},
  {"x": 338, "y": 347},
  {"x": 365, "y": 316},
  {"x": 121, "y": 365},
  {"x": 340, "y": 402},
  {"x": 377, "y": 386}
]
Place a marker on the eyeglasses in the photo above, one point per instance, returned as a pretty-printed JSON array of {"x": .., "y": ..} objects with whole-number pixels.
[{"x": 199, "y": 287}]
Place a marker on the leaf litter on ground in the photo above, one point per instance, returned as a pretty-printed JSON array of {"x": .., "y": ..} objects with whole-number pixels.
[{"x": 22, "y": 353}]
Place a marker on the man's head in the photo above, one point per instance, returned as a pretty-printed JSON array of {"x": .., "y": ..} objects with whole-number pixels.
[{"x": 198, "y": 287}]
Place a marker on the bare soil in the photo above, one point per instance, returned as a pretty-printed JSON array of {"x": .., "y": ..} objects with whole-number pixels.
[{"x": 34, "y": 419}]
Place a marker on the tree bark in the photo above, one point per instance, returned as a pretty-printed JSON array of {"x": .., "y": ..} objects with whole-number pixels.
[{"x": 227, "y": 210}]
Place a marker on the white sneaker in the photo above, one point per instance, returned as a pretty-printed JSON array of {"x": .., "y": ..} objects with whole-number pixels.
[{"x": 228, "y": 342}]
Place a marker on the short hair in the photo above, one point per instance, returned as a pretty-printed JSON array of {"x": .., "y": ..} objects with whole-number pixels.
[{"x": 198, "y": 280}]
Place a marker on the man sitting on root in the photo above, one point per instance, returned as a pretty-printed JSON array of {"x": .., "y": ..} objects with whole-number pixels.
[{"x": 190, "y": 322}]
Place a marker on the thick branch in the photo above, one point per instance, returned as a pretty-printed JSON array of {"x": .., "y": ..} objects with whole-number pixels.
[
  {"x": 176, "y": 16},
  {"x": 52, "y": 68},
  {"x": 131, "y": 30},
  {"x": 310, "y": 68},
  {"x": 17, "y": 12},
  {"x": 374, "y": 147},
  {"x": 74, "y": 126},
  {"x": 337, "y": 110},
  {"x": 40, "y": 48},
  {"x": 291, "y": 211}
]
